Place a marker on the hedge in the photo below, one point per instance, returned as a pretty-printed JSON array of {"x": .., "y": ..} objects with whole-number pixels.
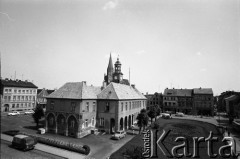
[{"x": 61, "y": 144}]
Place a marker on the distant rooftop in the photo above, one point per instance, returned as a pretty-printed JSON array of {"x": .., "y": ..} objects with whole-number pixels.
[
  {"x": 17, "y": 83},
  {"x": 76, "y": 90},
  {"x": 202, "y": 91},
  {"x": 178, "y": 92},
  {"x": 116, "y": 91}
]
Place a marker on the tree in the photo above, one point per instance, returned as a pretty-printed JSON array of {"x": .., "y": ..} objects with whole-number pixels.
[
  {"x": 37, "y": 115},
  {"x": 152, "y": 113},
  {"x": 134, "y": 153},
  {"x": 142, "y": 119},
  {"x": 158, "y": 110}
]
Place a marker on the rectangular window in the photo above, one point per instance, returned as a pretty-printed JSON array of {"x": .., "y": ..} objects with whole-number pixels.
[
  {"x": 87, "y": 106},
  {"x": 129, "y": 105},
  {"x": 52, "y": 105},
  {"x": 31, "y": 91},
  {"x": 19, "y": 91},
  {"x": 15, "y": 91},
  {"x": 122, "y": 106},
  {"x": 73, "y": 106},
  {"x": 14, "y": 97},
  {"x": 6, "y": 91},
  {"x": 30, "y": 97},
  {"x": 9, "y": 90},
  {"x": 107, "y": 107},
  {"x": 13, "y": 105},
  {"x": 17, "y": 105},
  {"x": 86, "y": 123},
  {"x": 94, "y": 106},
  {"x": 26, "y": 91},
  {"x": 25, "y": 104},
  {"x": 126, "y": 106},
  {"x": 26, "y": 97},
  {"x": 33, "y": 98},
  {"x": 101, "y": 121},
  {"x": 23, "y": 91},
  {"x": 22, "y": 97},
  {"x": 21, "y": 105},
  {"x": 9, "y": 98}
]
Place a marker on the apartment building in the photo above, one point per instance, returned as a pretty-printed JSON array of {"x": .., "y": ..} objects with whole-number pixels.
[{"x": 17, "y": 95}]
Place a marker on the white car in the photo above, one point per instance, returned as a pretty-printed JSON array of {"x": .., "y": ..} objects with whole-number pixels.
[
  {"x": 119, "y": 134},
  {"x": 29, "y": 112},
  {"x": 179, "y": 114},
  {"x": 166, "y": 116},
  {"x": 13, "y": 113}
]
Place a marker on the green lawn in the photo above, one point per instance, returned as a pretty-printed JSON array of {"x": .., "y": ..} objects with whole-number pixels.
[{"x": 178, "y": 127}]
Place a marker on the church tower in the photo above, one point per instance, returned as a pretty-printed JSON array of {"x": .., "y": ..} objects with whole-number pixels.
[
  {"x": 117, "y": 75},
  {"x": 109, "y": 77}
]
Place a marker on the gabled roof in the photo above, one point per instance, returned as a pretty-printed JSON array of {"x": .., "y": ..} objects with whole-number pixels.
[
  {"x": 17, "y": 83},
  {"x": 178, "y": 92},
  {"x": 44, "y": 92},
  {"x": 76, "y": 90},
  {"x": 116, "y": 91},
  {"x": 202, "y": 91}
]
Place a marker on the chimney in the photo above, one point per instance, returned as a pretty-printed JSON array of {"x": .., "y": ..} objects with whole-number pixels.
[
  {"x": 84, "y": 82},
  {"x": 133, "y": 86}
]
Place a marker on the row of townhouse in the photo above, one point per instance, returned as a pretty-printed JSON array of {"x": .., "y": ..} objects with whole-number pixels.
[
  {"x": 197, "y": 101},
  {"x": 75, "y": 109}
]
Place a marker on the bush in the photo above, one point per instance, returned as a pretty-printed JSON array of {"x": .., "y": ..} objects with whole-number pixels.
[{"x": 87, "y": 149}]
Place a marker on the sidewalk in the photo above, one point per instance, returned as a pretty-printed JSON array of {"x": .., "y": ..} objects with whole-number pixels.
[
  {"x": 213, "y": 121},
  {"x": 50, "y": 149}
]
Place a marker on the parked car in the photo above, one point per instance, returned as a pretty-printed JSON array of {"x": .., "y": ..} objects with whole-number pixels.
[
  {"x": 119, "y": 134},
  {"x": 41, "y": 131},
  {"x": 29, "y": 112},
  {"x": 13, "y": 113},
  {"x": 166, "y": 116},
  {"x": 180, "y": 114},
  {"x": 23, "y": 142}
]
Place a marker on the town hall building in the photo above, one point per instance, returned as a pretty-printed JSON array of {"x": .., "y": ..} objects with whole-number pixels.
[{"x": 76, "y": 108}]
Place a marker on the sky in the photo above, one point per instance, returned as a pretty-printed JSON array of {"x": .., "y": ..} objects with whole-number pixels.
[{"x": 164, "y": 43}]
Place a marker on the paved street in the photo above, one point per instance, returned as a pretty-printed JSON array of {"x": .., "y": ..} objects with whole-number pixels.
[
  {"x": 101, "y": 145},
  {"x": 8, "y": 152}
]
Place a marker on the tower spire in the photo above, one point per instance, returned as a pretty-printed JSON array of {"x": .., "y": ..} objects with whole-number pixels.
[{"x": 110, "y": 64}]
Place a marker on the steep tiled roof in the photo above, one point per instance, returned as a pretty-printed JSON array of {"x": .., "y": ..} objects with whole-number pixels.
[
  {"x": 178, "y": 92},
  {"x": 76, "y": 90},
  {"x": 44, "y": 92},
  {"x": 202, "y": 91},
  {"x": 118, "y": 91},
  {"x": 17, "y": 83}
]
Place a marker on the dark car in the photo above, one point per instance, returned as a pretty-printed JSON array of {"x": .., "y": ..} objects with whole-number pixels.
[{"x": 23, "y": 142}]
